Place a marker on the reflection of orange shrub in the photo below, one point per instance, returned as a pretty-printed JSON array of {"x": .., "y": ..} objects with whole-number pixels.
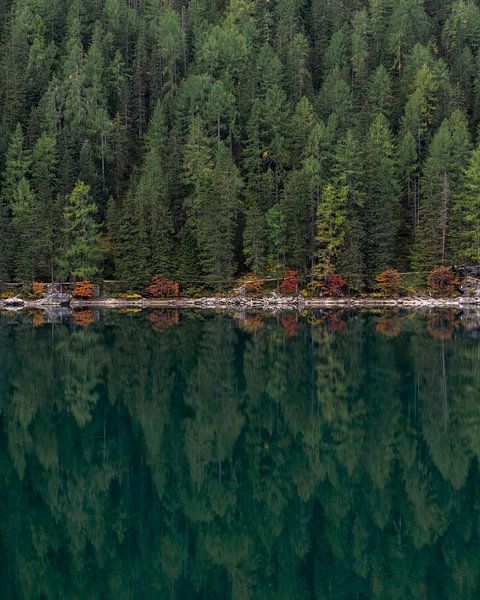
[
  {"x": 83, "y": 318},
  {"x": 389, "y": 326},
  {"x": 251, "y": 323},
  {"x": 441, "y": 326},
  {"x": 334, "y": 323},
  {"x": 290, "y": 324},
  {"x": 84, "y": 290},
  {"x": 162, "y": 319},
  {"x": 38, "y": 289},
  {"x": 38, "y": 318}
]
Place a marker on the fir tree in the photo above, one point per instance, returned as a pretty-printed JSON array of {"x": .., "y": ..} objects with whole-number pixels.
[
  {"x": 466, "y": 210},
  {"x": 82, "y": 254},
  {"x": 331, "y": 218},
  {"x": 381, "y": 210}
]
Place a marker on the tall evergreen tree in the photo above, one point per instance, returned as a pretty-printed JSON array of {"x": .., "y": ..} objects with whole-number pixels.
[
  {"x": 82, "y": 253},
  {"x": 441, "y": 176},
  {"x": 466, "y": 209},
  {"x": 381, "y": 211}
]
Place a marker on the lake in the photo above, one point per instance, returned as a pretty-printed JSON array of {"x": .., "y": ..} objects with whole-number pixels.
[{"x": 166, "y": 454}]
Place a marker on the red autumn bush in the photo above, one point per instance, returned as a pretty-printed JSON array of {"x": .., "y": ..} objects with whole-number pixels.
[
  {"x": 388, "y": 283},
  {"x": 163, "y": 287},
  {"x": 442, "y": 282},
  {"x": 289, "y": 284},
  {"x": 83, "y": 290},
  {"x": 335, "y": 286}
]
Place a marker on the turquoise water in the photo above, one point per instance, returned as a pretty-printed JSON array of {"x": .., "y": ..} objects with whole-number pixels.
[{"x": 199, "y": 456}]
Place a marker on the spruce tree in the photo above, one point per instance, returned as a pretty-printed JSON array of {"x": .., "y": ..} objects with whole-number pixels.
[
  {"x": 331, "y": 218},
  {"x": 381, "y": 210},
  {"x": 254, "y": 239},
  {"x": 441, "y": 176},
  {"x": 466, "y": 209},
  {"x": 27, "y": 226},
  {"x": 44, "y": 178},
  {"x": 348, "y": 174},
  {"x": 82, "y": 253},
  {"x": 218, "y": 210}
]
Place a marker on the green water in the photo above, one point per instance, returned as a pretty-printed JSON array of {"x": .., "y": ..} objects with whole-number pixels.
[{"x": 200, "y": 456}]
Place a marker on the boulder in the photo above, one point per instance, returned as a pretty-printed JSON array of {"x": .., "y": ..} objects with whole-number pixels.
[
  {"x": 56, "y": 299},
  {"x": 14, "y": 302}
]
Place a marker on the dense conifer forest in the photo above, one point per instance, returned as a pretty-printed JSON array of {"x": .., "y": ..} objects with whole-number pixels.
[{"x": 203, "y": 139}]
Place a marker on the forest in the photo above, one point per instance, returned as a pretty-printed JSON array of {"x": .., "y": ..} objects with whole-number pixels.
[{"x": 205, "y": 139}]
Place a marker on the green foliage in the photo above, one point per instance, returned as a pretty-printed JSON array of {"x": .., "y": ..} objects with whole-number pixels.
[
  {"x": 466, "y": 209},
  {"x": 331, "y": 217},
  {"x": 82, "y": 252},
  {"x": 207, "y": 133}
]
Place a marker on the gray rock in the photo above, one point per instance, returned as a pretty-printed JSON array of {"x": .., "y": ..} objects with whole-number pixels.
[
  {"x": 56, "y": 299},
  {"x": 56, "y": 314},
  {"x": 13, "y": 302}
]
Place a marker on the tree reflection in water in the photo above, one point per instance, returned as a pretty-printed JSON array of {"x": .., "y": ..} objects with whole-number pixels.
[{"x": 192, "y": 455}]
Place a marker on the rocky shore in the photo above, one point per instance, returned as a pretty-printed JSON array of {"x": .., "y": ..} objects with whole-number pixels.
[{"x": 271, "y": 302}]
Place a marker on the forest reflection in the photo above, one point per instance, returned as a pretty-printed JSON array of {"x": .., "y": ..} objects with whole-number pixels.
[{"x": 171, "y": 454}]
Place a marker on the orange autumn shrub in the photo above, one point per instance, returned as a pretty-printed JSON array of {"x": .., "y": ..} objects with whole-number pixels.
[
  {"x": 388, "y": 283},
  {"x": 442, "y": 282},
  {"x": 251, "y": 284},
  {"x": 163, "y": 287},
  {"x": 83, "y": 290},
  {"x": 38, "y": 289}
]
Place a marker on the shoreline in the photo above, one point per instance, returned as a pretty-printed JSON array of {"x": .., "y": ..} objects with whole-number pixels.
[
  {"x": 279, "y": 303},
  {"x": 267, "y": 303}
]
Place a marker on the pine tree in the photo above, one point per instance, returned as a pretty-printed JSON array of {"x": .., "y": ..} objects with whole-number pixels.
[
  {"x": 17, "y": 164},
  {"x": 254, "y": 239},
  {"x": 348, "y": 174},
  {"x": 82, "y": 254},
  {"x": 441, "y": 176},
  {"x": 466, "y": 208},
  {"x": 276, "y": 231},
  {"x": 130, "y": 243},
  {"x": 28, "y": 232},
  {"x": 381, "y": 211},
  {"x": 217, "y": 218},
  {"x": 153, "y": 193},
  {"x": 331, "y": 219},
  {"x": 44, "y": 175}
]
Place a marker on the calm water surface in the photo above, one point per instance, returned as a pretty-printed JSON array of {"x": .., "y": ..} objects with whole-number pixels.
[{"x": 190, "y": 455}]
